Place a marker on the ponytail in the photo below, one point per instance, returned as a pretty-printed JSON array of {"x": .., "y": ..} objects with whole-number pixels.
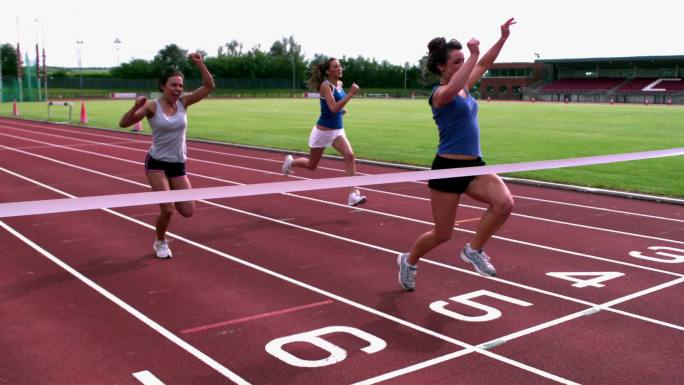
[{"x": 319, "y": 73}]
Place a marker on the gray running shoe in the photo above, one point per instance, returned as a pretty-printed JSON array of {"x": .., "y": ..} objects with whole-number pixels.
[
  {"x": 407, "y": 273},
  {"x": 479, "y": 259}
]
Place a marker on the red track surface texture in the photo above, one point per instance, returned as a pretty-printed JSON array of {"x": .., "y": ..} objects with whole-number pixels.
[{"x": 301, "y": 289}]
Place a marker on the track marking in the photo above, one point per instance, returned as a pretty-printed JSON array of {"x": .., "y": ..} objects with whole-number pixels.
[
  {"x": 393, "y": 252},
  {"x": 391, "y": 215},
  {"x": 593, "y": 228},
  {"x": 47, "y": 127},
  {"x": 123, "y": 305},
  {"x": 360, "y": 209},
  {"x": 147, "y": 378},
  {"x": 254, "y": 317},
  {"x": 501, "y": 340},
  {"x": 311, "y": 288}
]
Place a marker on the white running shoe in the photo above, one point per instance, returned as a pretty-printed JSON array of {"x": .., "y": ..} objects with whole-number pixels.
[
  {"x": 161, "y": 248},
  {"x": 355, "y": 198},
  {"x": 288, "y": 169},
  {"x": 407, "y": 273}
]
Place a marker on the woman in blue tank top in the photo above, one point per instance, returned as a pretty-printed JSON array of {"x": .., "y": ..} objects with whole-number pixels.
[
  {"x": 165, "y": 163},
  {"x": 455, "y": 112},
  {"x": 329, "y": 130}
]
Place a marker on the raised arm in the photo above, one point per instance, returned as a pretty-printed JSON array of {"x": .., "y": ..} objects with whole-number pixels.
[
  {"x": 446, "y": 93},
  {"x": 137, "y": 113},
  {"x": 334, "y": 106},
  {"x": 207, "y": 82},
  {"x": 491, "y": 55}
]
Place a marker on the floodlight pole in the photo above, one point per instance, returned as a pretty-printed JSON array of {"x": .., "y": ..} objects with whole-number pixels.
[
  {"x": 79, "y": 43},
  {"x": 118, "y": 43},
  {"x": 38, "y": 77},
  {"x": 294, "y": 62}
]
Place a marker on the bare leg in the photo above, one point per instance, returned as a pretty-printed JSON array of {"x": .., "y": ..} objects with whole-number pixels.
[
  {"x": 185, "y": 209},
  {"x": 492, "y": 190},
  {"x": 159, "y": 182},
  {"x": 311, "y": 162},
  {"x": 342, "y": 145},
  {"x": 444, "y": 206}
]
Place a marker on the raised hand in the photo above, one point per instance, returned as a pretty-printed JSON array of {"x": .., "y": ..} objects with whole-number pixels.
[
  {"x": 474, "y": 46},
  {"x": 195, "y": 58},
  {"x": 505, "y": 27},
  {"x": 354, "y": 88},
  {"x": 140, "y": 101}
]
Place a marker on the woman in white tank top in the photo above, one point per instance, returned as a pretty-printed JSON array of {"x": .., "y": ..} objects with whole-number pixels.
[{"x": 165, "y": 163}]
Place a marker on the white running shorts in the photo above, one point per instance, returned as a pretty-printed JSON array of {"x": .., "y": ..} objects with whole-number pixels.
[{"x": 323, "y": 138}]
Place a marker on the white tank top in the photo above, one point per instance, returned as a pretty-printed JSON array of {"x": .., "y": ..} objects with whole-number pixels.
[{"x": 168, "y": 134}]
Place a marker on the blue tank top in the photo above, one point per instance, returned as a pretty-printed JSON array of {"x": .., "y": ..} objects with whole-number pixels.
[
  {"x": 459, "y": 132},
  {"x": 329, "y": 119}
]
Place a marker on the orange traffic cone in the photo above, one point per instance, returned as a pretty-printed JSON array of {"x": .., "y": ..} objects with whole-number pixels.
[
  {"x": 137, "y": 127},
  {"x": 84, "y": 116},
  {"x": 15, "y": 109}
]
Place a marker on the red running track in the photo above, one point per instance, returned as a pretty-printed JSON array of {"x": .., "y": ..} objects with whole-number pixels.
[{"x": 290, "y": 288}]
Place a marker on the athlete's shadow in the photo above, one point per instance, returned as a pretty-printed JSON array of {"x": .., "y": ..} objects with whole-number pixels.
[{"x": 399, "y": 304}]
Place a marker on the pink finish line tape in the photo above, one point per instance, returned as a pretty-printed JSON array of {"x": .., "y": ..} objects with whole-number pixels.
[{"x": 144, "y": 198}]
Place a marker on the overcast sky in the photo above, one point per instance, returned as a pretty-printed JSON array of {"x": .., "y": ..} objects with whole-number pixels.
[{"x": 382, "y": 29}]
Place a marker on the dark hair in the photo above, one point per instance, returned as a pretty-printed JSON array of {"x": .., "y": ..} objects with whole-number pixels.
[
  {"x": 164, "y": 77},
  {"x": 318, "y": 73},
  {"x": 438, "y": 52}
]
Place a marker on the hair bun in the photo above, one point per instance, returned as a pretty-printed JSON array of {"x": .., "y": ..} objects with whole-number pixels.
[{"x": 437, "y": 44}]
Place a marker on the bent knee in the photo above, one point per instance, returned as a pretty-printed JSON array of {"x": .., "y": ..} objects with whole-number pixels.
[
  {"x": 442, "y": 237},
  {"x": 504, "y": 207},
  {"x": 186, "y": 214}
]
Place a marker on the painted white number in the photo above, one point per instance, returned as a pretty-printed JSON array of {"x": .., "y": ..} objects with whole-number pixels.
[
  {"x": 601, "y": 276},
  {"x": 490, "y": 312},
  {"x": 337, "y": 354},
  {"x": 676, "y": 257}
]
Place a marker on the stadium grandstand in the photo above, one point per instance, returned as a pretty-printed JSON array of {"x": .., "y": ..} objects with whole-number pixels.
[{"x": 641, "y": 79}]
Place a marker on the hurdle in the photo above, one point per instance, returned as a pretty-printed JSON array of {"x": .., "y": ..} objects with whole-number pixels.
[{"x": 66, "y": 104}]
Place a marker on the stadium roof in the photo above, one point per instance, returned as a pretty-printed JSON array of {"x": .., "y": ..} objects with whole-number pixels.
[{"x": 619, "y": 62}]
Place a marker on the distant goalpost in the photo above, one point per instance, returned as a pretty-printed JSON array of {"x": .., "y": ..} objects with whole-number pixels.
[{"x": 69, "y": 105}]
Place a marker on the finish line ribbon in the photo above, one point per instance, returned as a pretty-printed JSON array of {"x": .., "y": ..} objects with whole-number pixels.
[{"x": 154, "y": 197}]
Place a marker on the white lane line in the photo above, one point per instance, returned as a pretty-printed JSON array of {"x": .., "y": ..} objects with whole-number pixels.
[
  {"x": 592, "y": 228},
  {"x": 414, "y": 368},
  {"x": 199, "y": 149},
  {"x": 367, "y": 189},
  {"x": 303, "y": 285},
  {"x": 501, "y": 340},
  {"x": 125, "y": 306},
  {"x": 534, "y": 245},
  {"x": 147, "y": 378},
  {"x": 371, "y": 246}
]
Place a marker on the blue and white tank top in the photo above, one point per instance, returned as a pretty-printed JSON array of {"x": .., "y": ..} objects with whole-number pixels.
[{"x": 168, "y": 134}]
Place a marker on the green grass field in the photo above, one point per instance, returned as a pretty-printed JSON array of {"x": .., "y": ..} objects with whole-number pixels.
[{"x": 403, "y": 131}]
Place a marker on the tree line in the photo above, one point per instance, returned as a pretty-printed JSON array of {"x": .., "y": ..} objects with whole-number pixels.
[{"x": 283, "y": 60}]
